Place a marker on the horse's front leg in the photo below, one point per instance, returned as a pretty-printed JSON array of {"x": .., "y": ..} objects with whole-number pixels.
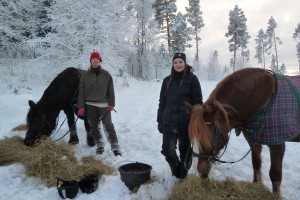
[
  {"x": 72, "y": 125},
  {"x": 275, "y": 173},
  {"x": 256, "y": 160}
]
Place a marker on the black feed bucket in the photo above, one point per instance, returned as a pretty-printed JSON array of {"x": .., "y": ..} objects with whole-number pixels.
[{"x": 134, "y": 174}]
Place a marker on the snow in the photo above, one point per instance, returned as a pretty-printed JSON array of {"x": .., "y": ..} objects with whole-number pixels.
[{"x": 135, "y": 123}]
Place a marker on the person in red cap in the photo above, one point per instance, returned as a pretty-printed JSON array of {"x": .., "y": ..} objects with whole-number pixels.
[{"x": 96, "y": 100}]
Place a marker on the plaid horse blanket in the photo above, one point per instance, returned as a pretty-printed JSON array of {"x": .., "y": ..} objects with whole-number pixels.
[{"x": 279, "y": 119}]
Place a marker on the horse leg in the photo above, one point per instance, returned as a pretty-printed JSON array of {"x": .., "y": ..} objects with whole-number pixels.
[
  {"x": 256, "y": 160},
  {"x": 72, "y": 125},
  {"x": 275, "y": 173},
  {"x": 89, "y": 137}
]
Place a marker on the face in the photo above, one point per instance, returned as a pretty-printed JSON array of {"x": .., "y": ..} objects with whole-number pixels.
[
  {"x": 178, "y": 65},
  {"x": 95, "y": 62}
]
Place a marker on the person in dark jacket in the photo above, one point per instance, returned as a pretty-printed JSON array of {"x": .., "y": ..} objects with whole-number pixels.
[
  {"x": 182, "y": 85},
  {"x": 96, "y": 100}
]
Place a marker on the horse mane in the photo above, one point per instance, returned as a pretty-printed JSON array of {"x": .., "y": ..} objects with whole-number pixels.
[
  {"x": 198, "y": 130},
  {"x": 220, "y": 112}
]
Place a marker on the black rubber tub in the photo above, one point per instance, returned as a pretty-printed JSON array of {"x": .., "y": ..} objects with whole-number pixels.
[{"x": 135, "y": 174}]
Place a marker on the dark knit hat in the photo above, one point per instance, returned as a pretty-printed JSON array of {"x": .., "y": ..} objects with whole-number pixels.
[
  {"x": 179, "y": 55},
  {"x": 95, "y": 54}
]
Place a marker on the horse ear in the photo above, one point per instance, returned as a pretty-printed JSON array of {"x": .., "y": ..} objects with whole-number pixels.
[
  {"x": 31, "y": 104},
  {"x": 188, "y": 107}
]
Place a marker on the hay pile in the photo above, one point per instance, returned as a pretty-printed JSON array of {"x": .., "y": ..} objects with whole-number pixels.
[
  {"x": 195, "y": 188},
  {"x": 49, "y": 160}
]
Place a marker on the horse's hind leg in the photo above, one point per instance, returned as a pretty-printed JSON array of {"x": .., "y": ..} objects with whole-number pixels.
[
  {"x": 72, "y": 125},
  {"x": 275, "y": 173}
]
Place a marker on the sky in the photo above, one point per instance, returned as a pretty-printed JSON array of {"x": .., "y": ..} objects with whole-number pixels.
[
  {"x": 136, "y": 127},
  {"x": 216, "y": 18}
]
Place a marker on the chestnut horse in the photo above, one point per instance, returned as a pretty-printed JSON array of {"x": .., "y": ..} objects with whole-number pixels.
[{"x": 241, "y": 101}]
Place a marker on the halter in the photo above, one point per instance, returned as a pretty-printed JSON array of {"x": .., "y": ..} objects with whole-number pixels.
[{"x": 213, "y": 156}]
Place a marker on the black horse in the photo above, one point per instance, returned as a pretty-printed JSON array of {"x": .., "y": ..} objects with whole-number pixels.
[{"x": 60, "y": 94}]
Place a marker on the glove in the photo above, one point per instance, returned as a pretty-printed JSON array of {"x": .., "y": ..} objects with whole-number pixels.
[
  {"x": 81, "y": 112},
  {"x": 111, "y": 108},
  {"x": 160, "y": 128}
]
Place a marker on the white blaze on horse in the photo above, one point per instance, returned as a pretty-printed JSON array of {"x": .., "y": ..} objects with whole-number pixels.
[{"x": 264, "y": 105}]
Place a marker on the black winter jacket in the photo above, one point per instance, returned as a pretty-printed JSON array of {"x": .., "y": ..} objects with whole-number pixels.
[{"x": 171, "y": 115}]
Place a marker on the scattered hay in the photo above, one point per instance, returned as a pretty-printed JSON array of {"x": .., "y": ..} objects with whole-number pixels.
[
  {"x": 49, "y": 160},
  {"x": 195, "y": 188},
  {"x": 21, "y": 127}
]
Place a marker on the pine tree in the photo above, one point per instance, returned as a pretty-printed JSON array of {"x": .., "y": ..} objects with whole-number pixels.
[
  {"x": 213, "y": 65},
  {"x": 272, "y": 39},
  {"x": 180, "y": 34},
  {"x": 260, "y": 48},
  {"x": 144, "y": 34},
  {"x": 273, "y": 65},
  {"x": 195, "y": 19},
  {"x": 164, "y": 14},
  {"x": 237, "y": 31},
  {"x": 296, "y": 36}
]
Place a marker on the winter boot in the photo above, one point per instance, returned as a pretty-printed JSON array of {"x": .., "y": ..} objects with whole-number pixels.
[
  {"x": 100, "y": 150},
  {"x": 90, "y": 141},
  {"x": 117, "y": 152},
  {"x": 73, "y": 139},
  {"x": 175, "y": 168},
  {"x": 183, "y": 171}
]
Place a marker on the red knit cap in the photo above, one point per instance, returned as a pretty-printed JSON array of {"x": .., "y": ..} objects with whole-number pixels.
[{"x": 95, "y": 54}]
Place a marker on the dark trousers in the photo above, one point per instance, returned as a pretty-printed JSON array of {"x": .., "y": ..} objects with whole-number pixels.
[
  {"x": 178, "y": 165},
  {"x": 169, "y": 146},
  {"x": 93, "y": 115}
]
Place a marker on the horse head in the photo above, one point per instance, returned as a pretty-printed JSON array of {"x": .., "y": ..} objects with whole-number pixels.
[
  {"x": 208, "y": 131},
  {"x": 37, "y": 123}
]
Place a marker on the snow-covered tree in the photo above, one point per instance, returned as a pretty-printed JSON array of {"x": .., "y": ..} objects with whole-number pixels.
[
  {"x": 282, "y": 69},
  {"x": 273, "y": 65},
  {"x": 180, "y": 34},
  {"x": 296, "y": 36},
  {"x": 260, "y": 48},
  {"x": 272, "y": 39},
  {"x": 213, "y": 66},
  {"x": 237, "y": 32},
  {"x": 144, "y": 33},
  {"x": 195, "y": 19},
  {"x": 165, "y": 12},
  {"x": 79, "y": 27},
  {"x": 20, "y": 20}
]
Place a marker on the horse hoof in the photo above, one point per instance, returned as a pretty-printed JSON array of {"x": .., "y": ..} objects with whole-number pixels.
[
  {"x": 74, "y": 140},
  {"x": 90, "y": 141}
]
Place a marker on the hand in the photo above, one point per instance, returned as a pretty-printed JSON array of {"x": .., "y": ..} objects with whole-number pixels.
[
  {"x": 160, "y": 128},
  {"x": 111, "y": 108},
  {"x": 81, "y": 112}
]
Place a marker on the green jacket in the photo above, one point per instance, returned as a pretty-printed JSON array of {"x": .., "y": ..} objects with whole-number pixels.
[{"x": 96, "y": 88}]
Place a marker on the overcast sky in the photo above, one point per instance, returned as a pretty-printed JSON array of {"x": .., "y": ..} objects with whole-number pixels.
[{"x": 258, "y": 12}]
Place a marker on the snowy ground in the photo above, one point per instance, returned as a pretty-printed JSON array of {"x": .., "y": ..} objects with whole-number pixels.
[{"x": 135, "y": 123}]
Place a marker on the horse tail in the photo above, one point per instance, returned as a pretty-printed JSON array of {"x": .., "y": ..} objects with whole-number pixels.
[{"x": 198, "y": 129}]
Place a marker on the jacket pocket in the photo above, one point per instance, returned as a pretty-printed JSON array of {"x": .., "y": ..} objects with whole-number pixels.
[{"x": 166, "y": 117}]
